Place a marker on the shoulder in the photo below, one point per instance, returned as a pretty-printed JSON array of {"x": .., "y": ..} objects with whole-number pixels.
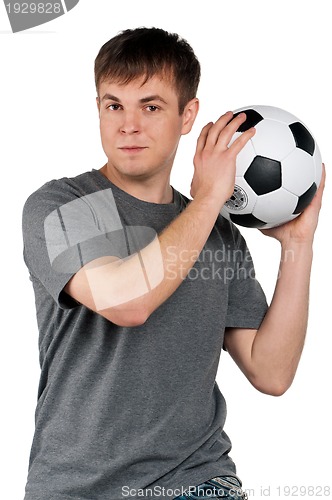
[{"x": 56, "y": 193}]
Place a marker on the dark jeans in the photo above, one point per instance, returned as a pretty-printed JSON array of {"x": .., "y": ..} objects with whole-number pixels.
[{"x": 226, "y": 488}]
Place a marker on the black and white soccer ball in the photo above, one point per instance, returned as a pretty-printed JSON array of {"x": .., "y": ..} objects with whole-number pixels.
[{"x": 277, "y": 172}]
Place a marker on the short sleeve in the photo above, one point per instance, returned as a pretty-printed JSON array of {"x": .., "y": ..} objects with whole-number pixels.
[
  {"x": 63, "y": 231},
  {"x": 247, "y": 303}
]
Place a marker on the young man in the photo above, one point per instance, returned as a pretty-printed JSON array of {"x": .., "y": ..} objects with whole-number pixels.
[{"x": 138, "y": 289}]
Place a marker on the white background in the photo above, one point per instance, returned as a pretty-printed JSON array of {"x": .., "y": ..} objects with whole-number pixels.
[{"x": 252, "y": 52}]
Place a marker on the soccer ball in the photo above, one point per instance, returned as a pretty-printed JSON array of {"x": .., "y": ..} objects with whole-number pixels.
[{"x": 277, "y": 172}]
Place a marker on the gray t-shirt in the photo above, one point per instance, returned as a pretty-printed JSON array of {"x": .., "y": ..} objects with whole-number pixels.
[{"x": 126, "y": 409}]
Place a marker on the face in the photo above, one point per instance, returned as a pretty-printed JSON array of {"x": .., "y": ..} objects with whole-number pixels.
[{"x": 140, "y": 125}]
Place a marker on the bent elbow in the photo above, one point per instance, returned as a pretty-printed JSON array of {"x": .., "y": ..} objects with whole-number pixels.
[
  {"x": 125, "y": 318},
  {"x": 274, "y": 388},
  {"x": 138, "y": 318},
  {"x": 278, "y": 390}
]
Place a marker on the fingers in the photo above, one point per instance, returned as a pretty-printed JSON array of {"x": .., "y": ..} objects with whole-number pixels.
[
  {"x": 215, "y": 160},
  {"x": 322, "y": 181},
  {"x": 201, "y": 141},
  {"x": 220, "y": 133},
  {"x": 217, "y": 128},
  {"x": 319, "y": 192},
  {"x": 242, "y": 140}
]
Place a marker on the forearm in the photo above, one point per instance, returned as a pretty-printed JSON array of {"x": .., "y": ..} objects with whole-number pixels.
[
  {"x": 145, "y": 280},
  {"x": 270, "y": 355},
  {"x": 278, "y": 344},
  {"x": 180, "y": 245}
]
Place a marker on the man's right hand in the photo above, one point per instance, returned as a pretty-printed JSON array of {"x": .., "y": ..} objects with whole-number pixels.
[
  {"x": 215, "y": 161},
  {"x": 127, "y": 291}
]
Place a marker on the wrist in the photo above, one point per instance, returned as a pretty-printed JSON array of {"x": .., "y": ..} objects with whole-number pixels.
[
  {"x": 297, "y": 244},
  {"x": 214, "y": 198},
  {"x": 293, "y": 250}
]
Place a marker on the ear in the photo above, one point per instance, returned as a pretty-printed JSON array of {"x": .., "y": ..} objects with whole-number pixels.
[
  {"x": 189, "y": 115},
  {"x": 98, "y": 104}
]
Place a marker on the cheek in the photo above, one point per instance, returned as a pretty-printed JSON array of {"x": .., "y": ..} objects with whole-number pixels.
[
  {"x": 107, "y": 128},
  {"x": 171, "y": 136},
  {"x": 167, "y": 131},
  {"x": 106, "y": 137}
]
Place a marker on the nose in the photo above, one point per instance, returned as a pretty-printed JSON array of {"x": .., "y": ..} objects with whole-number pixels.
[{"x": 130, "y": 123}]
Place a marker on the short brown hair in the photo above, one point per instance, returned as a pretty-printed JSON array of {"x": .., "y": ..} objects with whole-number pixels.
[{"x": 148, "y": 52}]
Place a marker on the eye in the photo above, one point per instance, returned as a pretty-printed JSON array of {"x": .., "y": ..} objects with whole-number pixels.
[
  {"x": 114, "y": 107},
  {"x": 152, "y": 108}
]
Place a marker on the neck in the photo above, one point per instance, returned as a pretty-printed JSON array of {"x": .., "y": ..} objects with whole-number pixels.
[{"x": 155, "y": 189}]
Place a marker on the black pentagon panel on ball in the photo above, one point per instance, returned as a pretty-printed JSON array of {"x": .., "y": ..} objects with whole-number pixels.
[
  {"x": 264, "y": 175},
  {"x": 247, "y": 220},
  {"x": 305, "y": 199},
  {"x": 303, "y": 138},
  {"x": 253, "y": 117}
]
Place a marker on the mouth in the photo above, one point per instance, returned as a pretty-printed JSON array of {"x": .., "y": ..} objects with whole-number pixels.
[{"x": 132, "y": 149}]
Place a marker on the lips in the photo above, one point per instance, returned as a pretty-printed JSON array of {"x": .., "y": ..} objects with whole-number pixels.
[{"x": 132, "y": 148}]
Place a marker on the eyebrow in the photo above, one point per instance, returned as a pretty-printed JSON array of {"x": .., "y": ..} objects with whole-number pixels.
[{"x": 144, "y": 100}]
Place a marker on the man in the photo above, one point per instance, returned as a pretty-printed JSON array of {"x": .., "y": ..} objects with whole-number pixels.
[{"x": 138, "y": 289}]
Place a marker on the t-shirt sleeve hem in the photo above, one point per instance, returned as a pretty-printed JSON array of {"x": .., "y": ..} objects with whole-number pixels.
[
  {"x": 250, "y": 323},
  {"x": 245, "y": 323}
]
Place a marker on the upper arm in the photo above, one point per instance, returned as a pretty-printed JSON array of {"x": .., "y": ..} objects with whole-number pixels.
[
  {"x": 238, "y": 342},
  {"x": 75, "y": 247},
  {"x": 99, "y": 286}
]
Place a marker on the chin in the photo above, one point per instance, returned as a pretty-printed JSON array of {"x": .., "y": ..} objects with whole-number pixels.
[{"x": 135, "y": 171}]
